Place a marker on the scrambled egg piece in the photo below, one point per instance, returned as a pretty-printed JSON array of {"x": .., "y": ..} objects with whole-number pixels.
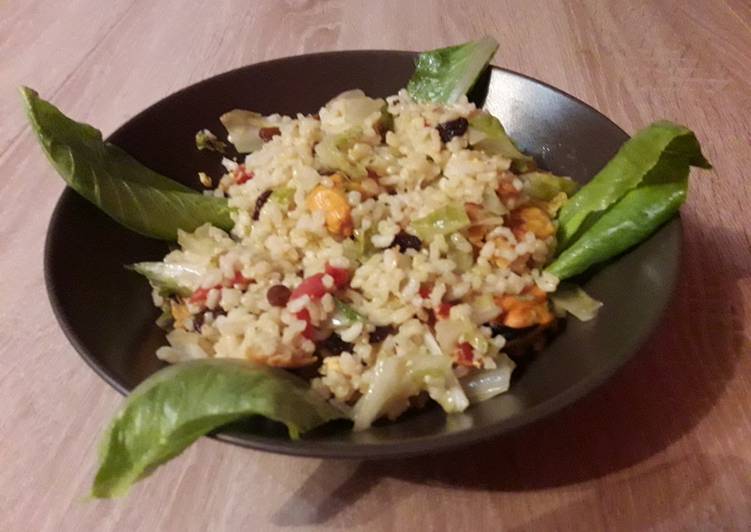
[
  {"x": 526, "y": 309},
  {"x": 333, "y": 202}
]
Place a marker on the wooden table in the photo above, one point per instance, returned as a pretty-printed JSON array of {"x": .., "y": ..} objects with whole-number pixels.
[{"x": 666, "y": 444}]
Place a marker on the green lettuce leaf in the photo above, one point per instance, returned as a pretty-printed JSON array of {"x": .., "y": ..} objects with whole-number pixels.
[
  {"x": 661, "y": 152},
  {"x": 443, "y": 75},
  {"x": 178, "y": 404},
  {"x": 641, "y": 211},
  {"x": 486, "y": 133},
  {"x": 545, "y": 186},
  {"x": 169, "y": 277},
  {"x": 443, "y": 221},
  {"x": 134, "y": 196}
]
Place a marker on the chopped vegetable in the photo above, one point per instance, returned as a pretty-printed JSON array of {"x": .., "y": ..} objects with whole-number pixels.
[
  {"x": 445, "y": 74},
  {"x": 396, "y": 379},
  {"x": 573, "y": 299},
  {"x": 134, "y": 196},
  {"x": 244, "y": 129},
  {"x": 661, "y": 152},
  {"x": 206, "y": 140},
  {"x": 180, "y": 403},
  {"x": 545, "y": 186},
  {"x": 485, "y": 384},
  {"x": 332, "y": 154},
  {"x": 169, "y": 278},
  {"x": 352, "y": 108},
  {"x": 283, "y": 196},
  {"x": 315, "y": 287},
  {"x": 486, "y": 133},
  {"x": 463, "y": 258},
  {"x": 242, "y": 175},
  {"x": 443, "y": 221},
  {"x": 365, "y": 247},
  {"x": 311, "y": 286},
  {"x": 340, "y": 275},
  {"x": 484, "y": 309},
  {"x": 345, "y": 315}
]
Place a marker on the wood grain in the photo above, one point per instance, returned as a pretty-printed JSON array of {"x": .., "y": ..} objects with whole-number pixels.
[{"x": 664, "y": 445}]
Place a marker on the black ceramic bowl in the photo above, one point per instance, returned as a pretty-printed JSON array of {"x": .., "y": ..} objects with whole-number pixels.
[{"x": 107, "y": 313}]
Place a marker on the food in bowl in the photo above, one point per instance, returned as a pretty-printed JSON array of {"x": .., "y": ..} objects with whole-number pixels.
[{"x": 391, "y": 245}]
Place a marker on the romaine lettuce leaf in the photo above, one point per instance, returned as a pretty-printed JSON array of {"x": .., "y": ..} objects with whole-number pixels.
[
  {"x": 443, "y": 75},
  {"x": 180, "y": 403},
  {"x": 661, "y": 152},
  {"x": 133, "y": 195},
  {"x": 486, "y": 133},
  {"x": 625, "y": 224}
]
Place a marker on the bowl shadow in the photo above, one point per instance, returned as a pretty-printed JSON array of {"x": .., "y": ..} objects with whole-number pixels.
[{"x": 658, "y": 397}]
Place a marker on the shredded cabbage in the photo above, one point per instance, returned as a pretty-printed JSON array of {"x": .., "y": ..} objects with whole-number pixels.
[
  {"x": 395, "y": 379},
  {"x": 485, "y": 384},
  {"x": 574, "y": 300},
  {"x": 443, "y": 221},
  {"x": 243, "y": 129}
]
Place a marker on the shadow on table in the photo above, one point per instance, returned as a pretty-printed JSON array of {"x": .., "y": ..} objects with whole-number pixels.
[{"x": 657, "y": 398}]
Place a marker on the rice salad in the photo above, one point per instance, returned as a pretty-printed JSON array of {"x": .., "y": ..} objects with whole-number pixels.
[{"x": 378, "y": 247}]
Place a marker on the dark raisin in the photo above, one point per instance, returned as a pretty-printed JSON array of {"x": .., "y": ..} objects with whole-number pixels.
[
  {"x": 335, "y": 345},
  {"x": 200, "y": 318},
  {"x": 260, "y": 202},
  {"x": 452, "y": 128},
  {"x": 268, "y": 133},
  {"x": 406, "y": 241},
  {"x": 278, "y": 295},
  {"x": 381, "y": 333}
]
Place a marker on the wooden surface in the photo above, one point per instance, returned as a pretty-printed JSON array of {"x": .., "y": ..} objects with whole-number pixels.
[{"x": 666, "y": 444}]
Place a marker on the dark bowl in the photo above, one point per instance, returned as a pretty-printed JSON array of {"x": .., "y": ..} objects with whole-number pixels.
[{"x": 106, "y": 311}]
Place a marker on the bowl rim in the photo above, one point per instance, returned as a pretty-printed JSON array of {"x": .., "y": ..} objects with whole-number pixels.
[{"x": 332, "y": 449}]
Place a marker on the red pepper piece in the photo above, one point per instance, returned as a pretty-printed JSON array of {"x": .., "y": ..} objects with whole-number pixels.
[
  {"x": 443, "y": 311},
  {"x": 304, "y": 315},
  {"x": 465, "y": 354},
  {"x": 340, "y": 275},
  {"x": 312, "y": 286},
  {"x": 242, "y": 175}
]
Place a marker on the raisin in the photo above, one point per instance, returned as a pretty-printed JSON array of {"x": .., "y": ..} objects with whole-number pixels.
[
  {"x": 406, "y": 241},
  {"x": 278, "y": 295},
  {"x": 200, "y": 318},
  {"x": 268, "y": 133},
  {"x": 452, "y": 128},
  {"x": 381, "y": 333},
  {"x": 335, "y": 345},
  {"x": 260, "y": 202}
]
